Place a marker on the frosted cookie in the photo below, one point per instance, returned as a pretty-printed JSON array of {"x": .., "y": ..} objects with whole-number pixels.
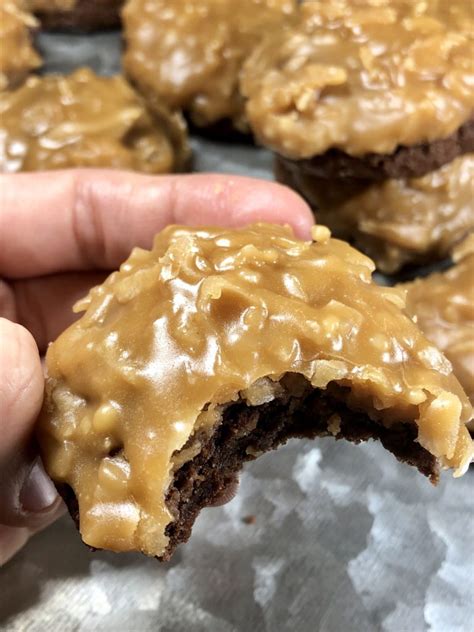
[
  {"x": 83, "y": 120},
  {"x": 397, "y": 222},
  {"x": 190, "y": 53},
  {"x": 363, "y": 98},
  {"x": 216, "y": 346}
]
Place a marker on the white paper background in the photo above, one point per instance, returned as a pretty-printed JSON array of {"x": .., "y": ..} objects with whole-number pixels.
[{"x": 344, "y": 539}]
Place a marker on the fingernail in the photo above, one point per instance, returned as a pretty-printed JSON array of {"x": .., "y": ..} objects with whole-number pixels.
[{"x": 38, "y": 492}]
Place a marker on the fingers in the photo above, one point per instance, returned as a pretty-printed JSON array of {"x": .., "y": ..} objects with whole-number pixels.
[
  {"x": 91, "y": 219},
  {"x": 44, "y": 305},
  {"x": 28, "y": 496}
]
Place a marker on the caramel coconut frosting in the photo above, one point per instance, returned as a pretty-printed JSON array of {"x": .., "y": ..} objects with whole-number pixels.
[
  {"x": 363, "y": 76},
  {"x": 190, "y": 53},
  {"x": 17, "y": 55},
  {"x": 217, "y": 345},
  {"x": 83, "y": 120},
  {"x": 443, "y": 306}
]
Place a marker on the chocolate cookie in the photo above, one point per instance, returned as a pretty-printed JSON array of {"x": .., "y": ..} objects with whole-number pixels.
[
  {"x": 216, "y": 346},
  {"x": 405, "y": 162}
]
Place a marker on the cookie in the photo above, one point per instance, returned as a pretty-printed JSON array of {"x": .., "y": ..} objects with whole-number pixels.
[
  {"x": 363, "y": 77},
  {"x": 190, "y": 53},
  {"x": 363, "y": 98},
  {"x": 218, "y": 345},
  {"x": 399, "y": 223},
  {"x": 83, "y": 120}
]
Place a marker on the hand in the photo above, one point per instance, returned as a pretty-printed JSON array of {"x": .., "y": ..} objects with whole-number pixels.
[{"x": 60, "y": 232}]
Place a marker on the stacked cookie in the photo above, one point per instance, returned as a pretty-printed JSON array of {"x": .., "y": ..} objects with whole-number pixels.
[{"x": 368, "y": 107}]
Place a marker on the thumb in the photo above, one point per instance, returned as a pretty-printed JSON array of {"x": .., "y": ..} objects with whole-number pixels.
[{"x": 27, "y": 495}]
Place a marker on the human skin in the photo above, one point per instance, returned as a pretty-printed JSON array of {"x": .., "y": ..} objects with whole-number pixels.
[{"x": 60, "y": 233}]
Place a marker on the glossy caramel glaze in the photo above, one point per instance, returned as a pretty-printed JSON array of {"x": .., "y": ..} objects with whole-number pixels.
[
  {"x": 17, "y": 55},
  {"x": 210, "y": 315},
  {"x": 443, "y": 305},
  {"x": 83, "y": 120},
  {"x": 395, "y": 222},
  {"x": 363, "y": 76},
  {"x": 191, "y": 53}
]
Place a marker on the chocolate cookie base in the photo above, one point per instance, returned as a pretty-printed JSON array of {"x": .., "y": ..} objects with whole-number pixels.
[
  {"x": 320, "y": 192},
  {"x": 88, "y": 15},
  {"x": 248, "y": 431},
  {"x": 404, "y": 162}
]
